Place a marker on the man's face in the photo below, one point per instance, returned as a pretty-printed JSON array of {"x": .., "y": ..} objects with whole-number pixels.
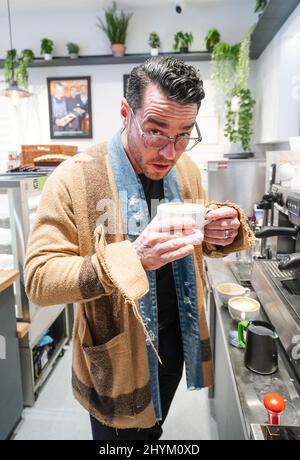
[
  {"x": 73, "y": 91},
  {"x": 157, "y": 115},
  {"x": 59, "y": 91},
  {"x": 83, "y": 90}
]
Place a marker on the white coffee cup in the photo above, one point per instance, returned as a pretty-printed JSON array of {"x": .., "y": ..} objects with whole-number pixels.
[
  {"x": 228, "y": 290},
  {"x": 243, "y": 308},
  {"x": 169, "y": 211}
]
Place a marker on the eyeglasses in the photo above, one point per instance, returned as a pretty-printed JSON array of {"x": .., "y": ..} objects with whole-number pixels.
[{"x": 158, "y": 141}]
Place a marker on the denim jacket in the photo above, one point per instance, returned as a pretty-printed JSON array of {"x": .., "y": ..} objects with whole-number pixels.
[{"x": 136, "y": 217}]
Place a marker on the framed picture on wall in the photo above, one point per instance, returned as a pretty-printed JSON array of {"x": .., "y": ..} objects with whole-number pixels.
[
  {"x": 125, "y": 79},
  {"x": 70, "y": 107}
]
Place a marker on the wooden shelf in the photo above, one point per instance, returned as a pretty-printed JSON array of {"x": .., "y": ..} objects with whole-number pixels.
[
  {"x": 272, "y": 19},
  {"x": 108, "y": 59}
]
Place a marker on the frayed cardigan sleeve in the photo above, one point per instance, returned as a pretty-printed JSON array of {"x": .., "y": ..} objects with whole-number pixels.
[{"x": 55, "y": 272}]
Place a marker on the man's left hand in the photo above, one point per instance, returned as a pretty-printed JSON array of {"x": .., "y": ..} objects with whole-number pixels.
[{"x": 223, "y": 227}]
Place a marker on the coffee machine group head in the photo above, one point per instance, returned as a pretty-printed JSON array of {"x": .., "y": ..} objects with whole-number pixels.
[{"x": 286, "y": 222}]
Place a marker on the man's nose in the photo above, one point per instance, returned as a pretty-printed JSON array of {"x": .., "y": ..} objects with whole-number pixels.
[{"x": 169, "y": 151}]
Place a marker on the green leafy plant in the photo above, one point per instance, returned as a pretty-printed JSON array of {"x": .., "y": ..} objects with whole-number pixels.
[
  {"x": 10, "y": 63},
  {"x": 243, "y": 61},
  {"x": 154, "y": 40},
  {"x": 73, "y": 48},
  {"x": 182, "y": 40},
  {"x": 260, "y": 6},
  {"x": 230, "y": 75},
  {"x": 224, "y": 62},
  {"x": 27, "y": 56},
  {"x": 213, "y": 37},
  {"x": 116, "y": 24},
  {"x": 238, "y": 126},
  {"x": 47, "y": 46},
  {"x": 16, "y": 68}
]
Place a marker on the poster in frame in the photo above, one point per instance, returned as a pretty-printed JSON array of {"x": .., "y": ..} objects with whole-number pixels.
[{"x": 70, "y": 107}]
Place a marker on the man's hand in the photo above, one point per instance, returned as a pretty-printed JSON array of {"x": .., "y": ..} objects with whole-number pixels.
[
  {"x": 223, "y": 227},
  {"x": 164, "y": 241}
]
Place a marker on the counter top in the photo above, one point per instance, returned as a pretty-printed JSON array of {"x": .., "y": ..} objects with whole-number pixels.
[
  {"x": 251, "y": 387},
  {"x": 7, "y": 277}
]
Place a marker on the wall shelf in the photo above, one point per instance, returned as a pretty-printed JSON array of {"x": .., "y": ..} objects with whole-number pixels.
[
  {"x": 271, "y": 20},
  {"x": 273, "y": 17},
  {"x": 108, "y": 59}
]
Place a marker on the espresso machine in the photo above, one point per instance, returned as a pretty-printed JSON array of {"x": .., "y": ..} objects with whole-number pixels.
[
  {"x": 285, "y": 222},
  {"x": 277, "y": 280}
]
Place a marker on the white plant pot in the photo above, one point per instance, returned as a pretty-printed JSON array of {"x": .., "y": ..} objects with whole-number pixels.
[
  {"x": 47, "y": 57},
  {"x": 154, "y": 51},
  {"x": 73, "y": 55}
]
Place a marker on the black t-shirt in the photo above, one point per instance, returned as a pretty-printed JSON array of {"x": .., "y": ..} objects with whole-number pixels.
[{"x": 166, "y": 292}]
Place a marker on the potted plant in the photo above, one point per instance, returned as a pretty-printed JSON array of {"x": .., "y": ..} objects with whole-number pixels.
[
  {"x": 47, "y": 46},
  {"x": 154, "y": 43},
  {"x": 73, "y": 50},
  {"x": 115, "y": 27},
  {"x": 182, "y": 41},
  {"x": 213, "y": 37}
]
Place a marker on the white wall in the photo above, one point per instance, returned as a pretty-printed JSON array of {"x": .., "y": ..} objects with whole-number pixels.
[
  {"x": 29, "y": 123},
  {"x": 277, "y": 112}
]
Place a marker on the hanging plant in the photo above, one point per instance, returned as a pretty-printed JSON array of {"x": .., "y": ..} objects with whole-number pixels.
[
  {"x": 16, "y": 68},
  {"x": 26, "y": 58},
  {"x": 9, "y": 65},
  {"x": 243, "y": 61},
  {"x": 230, "y": 74},
  {"x": 238, "y": 126},
  {"x": 223, "y": 64}
]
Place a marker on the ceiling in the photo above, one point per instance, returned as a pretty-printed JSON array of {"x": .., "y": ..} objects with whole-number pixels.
[{"x": 44, "y": 6}]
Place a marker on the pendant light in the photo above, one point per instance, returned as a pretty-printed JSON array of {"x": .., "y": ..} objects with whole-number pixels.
[{"x": 13, "y": 90}]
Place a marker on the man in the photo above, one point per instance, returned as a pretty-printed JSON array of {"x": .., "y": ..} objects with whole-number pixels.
[
  {"x": 73, "y": 101},
  {"x": 59, "y": 105},
  {"x": 83, "y": 97},
  {"x": 60, "y": 110},
  {"x": 138, "y": 285}
]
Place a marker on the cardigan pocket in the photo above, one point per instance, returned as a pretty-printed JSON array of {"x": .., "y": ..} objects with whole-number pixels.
[{"x": 110, "y": 372}]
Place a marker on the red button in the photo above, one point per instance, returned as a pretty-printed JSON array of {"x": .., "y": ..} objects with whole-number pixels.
[{"x": 274, "y": 402}]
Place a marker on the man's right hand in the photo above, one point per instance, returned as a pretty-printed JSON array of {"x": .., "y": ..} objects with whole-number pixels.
[{"x": 165, "y": 241}]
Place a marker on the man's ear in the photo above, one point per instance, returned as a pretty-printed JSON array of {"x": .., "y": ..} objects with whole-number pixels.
[{"x": 124, "y": 112}]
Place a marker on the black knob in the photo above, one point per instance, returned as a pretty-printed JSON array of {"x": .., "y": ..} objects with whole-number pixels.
[{"x": 289, "y": 262}]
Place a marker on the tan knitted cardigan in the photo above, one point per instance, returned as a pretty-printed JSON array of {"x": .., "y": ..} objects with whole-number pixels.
[{"x": 71, "y": 260}]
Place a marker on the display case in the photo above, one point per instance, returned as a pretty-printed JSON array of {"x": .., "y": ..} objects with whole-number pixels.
[{"x": 19, "y": 199}]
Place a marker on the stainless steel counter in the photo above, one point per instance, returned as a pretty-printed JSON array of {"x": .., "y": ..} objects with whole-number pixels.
[{"x": 248, "y": 388}]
